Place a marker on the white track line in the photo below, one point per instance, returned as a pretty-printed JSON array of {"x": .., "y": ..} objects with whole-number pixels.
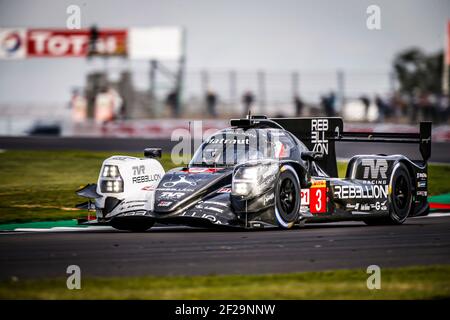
[
  {"x": 63, "y": 229},
  {"x": 81, "y": 229},
  {"x": 435, "y": 215}
]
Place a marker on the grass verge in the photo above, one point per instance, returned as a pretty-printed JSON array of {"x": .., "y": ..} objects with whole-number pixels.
[
  {"x": 427, "y": 282},
  {"x": 40, "y": 185}
]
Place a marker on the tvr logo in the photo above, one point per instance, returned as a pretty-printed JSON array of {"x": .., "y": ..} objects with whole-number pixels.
[
  {"x": 138, "y": 170},
  {"x": 172, "y": 195},
  {"x": 375, "y": 168}
]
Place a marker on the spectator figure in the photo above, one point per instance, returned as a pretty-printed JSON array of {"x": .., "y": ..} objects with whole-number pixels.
[
  {"x": 108, "y": 104},
  {"x": 398, "y": 105},
  {"x": 78, "y": 104},
  {"x": 211, "y": 103},
  {"x": 117, "y": 103},
  {"x": 323, "y": 102},
  {"x": 328, "y": 103},
  {"x": 425, "y": 106},
  {"x": 366, "y": 102},
  {"x": 415, "y": 105},
  {"x": 247, "y": 101},
  {"x": 433, "y": 107},
  {"x": 298, "y": 103},
  {"x": 331, "y": 104},
  {"x": 172, "y": 102},
  {"x": 382, "y": 107}
]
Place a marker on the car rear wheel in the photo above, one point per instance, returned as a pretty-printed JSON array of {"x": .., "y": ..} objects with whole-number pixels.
[
  {"x": 287, "y": 198},
  {"x": 400, "y": 197},
  {"x": 132, "y": 224}
]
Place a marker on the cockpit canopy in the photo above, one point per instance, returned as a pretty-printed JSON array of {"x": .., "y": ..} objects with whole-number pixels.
[{"x": 233, "y": 146}]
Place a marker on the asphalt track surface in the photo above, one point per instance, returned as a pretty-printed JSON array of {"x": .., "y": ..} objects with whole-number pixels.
[
  {"x": 440, "y": 151},
  {"x": 184, "y": 251}
]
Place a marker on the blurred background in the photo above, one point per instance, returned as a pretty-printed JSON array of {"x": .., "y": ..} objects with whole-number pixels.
[{"x": 143, "y": 68}]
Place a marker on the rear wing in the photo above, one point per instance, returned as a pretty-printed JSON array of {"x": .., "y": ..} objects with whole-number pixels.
[
  {"x": 422, "y": 138},
  {"x": 320, "y": 134}
]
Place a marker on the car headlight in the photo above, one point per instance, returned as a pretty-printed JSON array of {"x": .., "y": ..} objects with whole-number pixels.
[
  {"x": 253, "y": 180},
  {"x": 250, "y": 173},
  {"x": 110, "y": 171},
  {"x": 241, "y": 188},
  {"x": 111, "y": 181}
]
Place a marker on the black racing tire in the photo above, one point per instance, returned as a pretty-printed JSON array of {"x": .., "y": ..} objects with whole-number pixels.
[
  {"x": 400, "y": 198},
  {"x": 287, "y": 198},
  {"x": 132, "y": 224}
]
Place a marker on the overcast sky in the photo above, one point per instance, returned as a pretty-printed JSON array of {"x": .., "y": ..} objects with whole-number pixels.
[{"x": 241, "y": 34}]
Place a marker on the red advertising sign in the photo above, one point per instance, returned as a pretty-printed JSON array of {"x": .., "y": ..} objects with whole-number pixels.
[
  {"x": 159, "y": 43},
  {"x": 74, "y": 43}
]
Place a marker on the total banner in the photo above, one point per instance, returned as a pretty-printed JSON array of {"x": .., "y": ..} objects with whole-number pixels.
[
  {"x": 75, "y": 43},
  {"x": 135, "y": 43}
]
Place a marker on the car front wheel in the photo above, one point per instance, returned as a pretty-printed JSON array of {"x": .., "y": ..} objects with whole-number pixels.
[{"x": 287, "y": 198}]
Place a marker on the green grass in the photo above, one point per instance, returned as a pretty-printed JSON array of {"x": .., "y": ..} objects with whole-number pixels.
[
  {"x": 40, "y": 185},
  {"x": 439, "y": 179},
  {"x": 430, "y": 282}
]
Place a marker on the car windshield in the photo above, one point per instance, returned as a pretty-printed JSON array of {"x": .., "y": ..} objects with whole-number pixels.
[{"x": 234, "y": 146}]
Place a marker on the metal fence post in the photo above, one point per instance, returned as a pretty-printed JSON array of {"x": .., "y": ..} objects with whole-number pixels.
[
  {"x": 341, "y": 89},
  {"x": 295, "y": 79},
  {"x": 153, "y": 67},
  {"x": 204, "y": 81},
  {"x": 262, "y": 91},
  {"x": 233, "y": 89}
]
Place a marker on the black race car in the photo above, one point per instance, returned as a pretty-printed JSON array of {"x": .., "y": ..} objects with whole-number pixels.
[{"x": 263, "y": 173}]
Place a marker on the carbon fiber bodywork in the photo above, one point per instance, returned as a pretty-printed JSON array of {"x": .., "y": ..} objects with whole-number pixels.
[{"x": 202, "y": 195}]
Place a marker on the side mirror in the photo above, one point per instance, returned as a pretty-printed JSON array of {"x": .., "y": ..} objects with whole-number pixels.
[
  {"x": 311, "y": 155},
  {"x": 152, "y": 152}
]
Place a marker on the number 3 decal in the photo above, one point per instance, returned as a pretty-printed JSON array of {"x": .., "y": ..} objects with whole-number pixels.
[{"x": 319, "y": 200}]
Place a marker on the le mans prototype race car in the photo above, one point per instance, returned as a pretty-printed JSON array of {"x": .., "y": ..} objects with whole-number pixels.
[{"x": 263, "y": 173}]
